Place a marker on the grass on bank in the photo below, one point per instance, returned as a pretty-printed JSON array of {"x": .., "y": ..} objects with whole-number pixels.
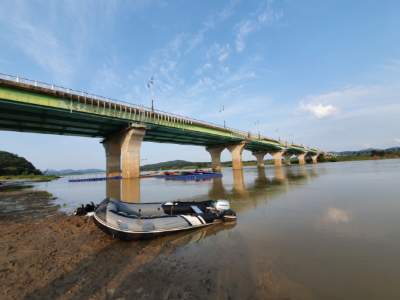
[{"x": 29, "y": 177}]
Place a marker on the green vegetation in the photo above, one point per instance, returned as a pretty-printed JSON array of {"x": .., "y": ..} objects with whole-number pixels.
[
  {"x": 30, "y": 177},
  {"x": 14, "y": 167},
  {"x": 367, "y": 154},
  {"x": 12, "y": 164}
]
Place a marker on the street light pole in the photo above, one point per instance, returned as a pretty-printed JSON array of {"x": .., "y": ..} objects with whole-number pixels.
[
  {"x": 222, "y": 109},
  {"x": 150, "y": 84}
]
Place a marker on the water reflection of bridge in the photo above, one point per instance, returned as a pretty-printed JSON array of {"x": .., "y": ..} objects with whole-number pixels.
[{"x": 266, "y": 183}]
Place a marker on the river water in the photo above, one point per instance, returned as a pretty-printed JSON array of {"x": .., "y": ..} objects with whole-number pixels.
[{"x": 326, "y": 231}]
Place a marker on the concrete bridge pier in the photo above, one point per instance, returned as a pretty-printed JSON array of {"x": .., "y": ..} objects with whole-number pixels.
[
  {"x": 260, "y": 158},
  {"x": 123, "y": 152},
  {"x": 314, "y": 158},
  {"x": 215, "y": 152},
  {"x": 277, "y": 156},
  {"x": 236, "y": 151},
  {"x": 113, "y": 156},
  {"x": 302, "y": 158}
]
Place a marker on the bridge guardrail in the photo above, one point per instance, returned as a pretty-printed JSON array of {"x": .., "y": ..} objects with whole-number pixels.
[{"x": 183, "y": 119}]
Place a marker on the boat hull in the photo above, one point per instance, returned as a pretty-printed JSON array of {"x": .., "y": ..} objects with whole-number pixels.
[
  {"x": 132, "y": 235},
  {"x": 134, "y": 221}
]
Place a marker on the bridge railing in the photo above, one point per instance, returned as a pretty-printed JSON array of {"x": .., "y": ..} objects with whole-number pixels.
[{"x": 183, "y": 119}]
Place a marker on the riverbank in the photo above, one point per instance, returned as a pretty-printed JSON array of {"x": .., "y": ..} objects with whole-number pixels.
[
  {"x": 45, "y": 254},
  {"x": 28, "y": 178}
]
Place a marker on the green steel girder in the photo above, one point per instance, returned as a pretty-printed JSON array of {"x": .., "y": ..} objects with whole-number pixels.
[
  {"x": 27, "y": 108},
  {"x": 109, "y": 110}
]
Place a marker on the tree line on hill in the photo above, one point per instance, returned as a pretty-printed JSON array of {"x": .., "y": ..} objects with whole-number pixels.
[{"x": 12, "y": 164}]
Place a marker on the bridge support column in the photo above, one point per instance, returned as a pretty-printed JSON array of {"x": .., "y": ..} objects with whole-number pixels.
[
  {"x": 236, "y": 151},
  {"x": 113, "y": 156},
  {"x": 123, "y": 152},
  {"x": 277, "y": 156},
  {"x": 302, "y": 159},
  {"x": 314, "y": 158},
  {"x": 215, "y": 152},
  {"x": 260, "y": 158}
]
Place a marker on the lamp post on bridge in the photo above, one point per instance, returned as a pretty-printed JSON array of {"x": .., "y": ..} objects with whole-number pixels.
[
  {"x": 150, "y": 85},
  {"x": 221, "y": 110},
  {"x": 257, "y": 123}
]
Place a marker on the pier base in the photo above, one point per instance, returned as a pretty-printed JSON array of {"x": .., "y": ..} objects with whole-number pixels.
[
  {"x": 215, "y": 152},
  {"x": 277, "y": 156},
  {"x": 302, "y": 159},
  {"x": 260, "y": 158},
  {"x": 236, "y": 151},
  {"x": 123, "y": 152},
  {"x": 314, "y": 158}
]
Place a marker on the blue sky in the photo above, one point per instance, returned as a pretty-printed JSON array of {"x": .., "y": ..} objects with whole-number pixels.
[{"x": 321, "y": 73}]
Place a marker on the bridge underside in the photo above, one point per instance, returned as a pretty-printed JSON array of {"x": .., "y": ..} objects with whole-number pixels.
[
  {"x": 30, "y": 108},
  {"x": 37, "y": 119}
]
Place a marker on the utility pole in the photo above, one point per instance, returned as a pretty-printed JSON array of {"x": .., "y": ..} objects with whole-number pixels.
[
  {"x": 150, "y": 85},
  {"x": 257, "y": 123},
  {"x": 221, "y": 110}
]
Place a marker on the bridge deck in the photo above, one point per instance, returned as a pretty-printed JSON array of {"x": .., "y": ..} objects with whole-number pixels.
[{"x": 30, "y": 106}]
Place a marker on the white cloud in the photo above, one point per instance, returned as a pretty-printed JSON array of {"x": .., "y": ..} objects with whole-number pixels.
[
  {"x": 220, "y": 53},
  {"x": 267, "y": 16},
  {"x": 36, "y": 42},
  {"x": 245, "y": 29},
  {"x": 319, "y": 110},
  {"x": 211, "y": 22},
  {"x": 397, "y": 140},
  {"x": 224, "y": 53}
]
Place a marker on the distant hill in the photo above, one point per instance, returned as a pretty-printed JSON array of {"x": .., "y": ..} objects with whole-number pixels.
[
  {"x": 368, "y": 152},
  {"x": 12, "y": 164},
  {"x": 72, "y": 172},
  {"x": 174, "y": 164}
]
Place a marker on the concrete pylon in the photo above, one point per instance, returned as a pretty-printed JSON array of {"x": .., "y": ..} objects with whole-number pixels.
[
  {"x": 123, "y": 152},
  {"x": 314, "y": 158},
  {"x": 236, "y": 151},
  {"x": 277, "y": 156},
  {"x": 260, "y": 158},
  {"x": 302, "y": 158},
  {"x": 130, "y": 152},
  {"x": 112, "y": 146},
  {"x": 215, "y": 152}
]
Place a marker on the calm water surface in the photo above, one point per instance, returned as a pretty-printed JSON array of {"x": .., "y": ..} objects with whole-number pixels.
[{"x": 329, "y": 231}]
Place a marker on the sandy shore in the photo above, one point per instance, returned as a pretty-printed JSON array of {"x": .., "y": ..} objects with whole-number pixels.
[{"x": 48, "y": 255}]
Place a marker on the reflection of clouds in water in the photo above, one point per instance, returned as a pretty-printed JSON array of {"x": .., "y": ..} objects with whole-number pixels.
[{"x": 336, "y": 215}]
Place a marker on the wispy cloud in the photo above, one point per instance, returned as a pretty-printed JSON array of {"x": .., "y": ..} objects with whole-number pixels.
[
  {"x": 186, "y": 91},
  {"x": 210, "y": 23},
  {"x": 37, "y": 42},
  {"x": 219, "y": 52},
  {"x": 267, "y": 16}
]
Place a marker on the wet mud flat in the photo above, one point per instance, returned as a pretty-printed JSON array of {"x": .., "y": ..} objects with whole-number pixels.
[{"x": 48, "y": 255}]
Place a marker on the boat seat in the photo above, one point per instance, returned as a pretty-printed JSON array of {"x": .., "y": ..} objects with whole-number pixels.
[{"x": 139, "y": 210}]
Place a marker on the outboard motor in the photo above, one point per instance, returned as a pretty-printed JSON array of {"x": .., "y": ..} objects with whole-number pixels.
[
  {"x": 224, "y": 209},
  {"x": 222, "y": 205}
]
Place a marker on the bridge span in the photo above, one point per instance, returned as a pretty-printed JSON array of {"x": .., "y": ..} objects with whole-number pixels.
[{"x": 32, "y": 106}]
